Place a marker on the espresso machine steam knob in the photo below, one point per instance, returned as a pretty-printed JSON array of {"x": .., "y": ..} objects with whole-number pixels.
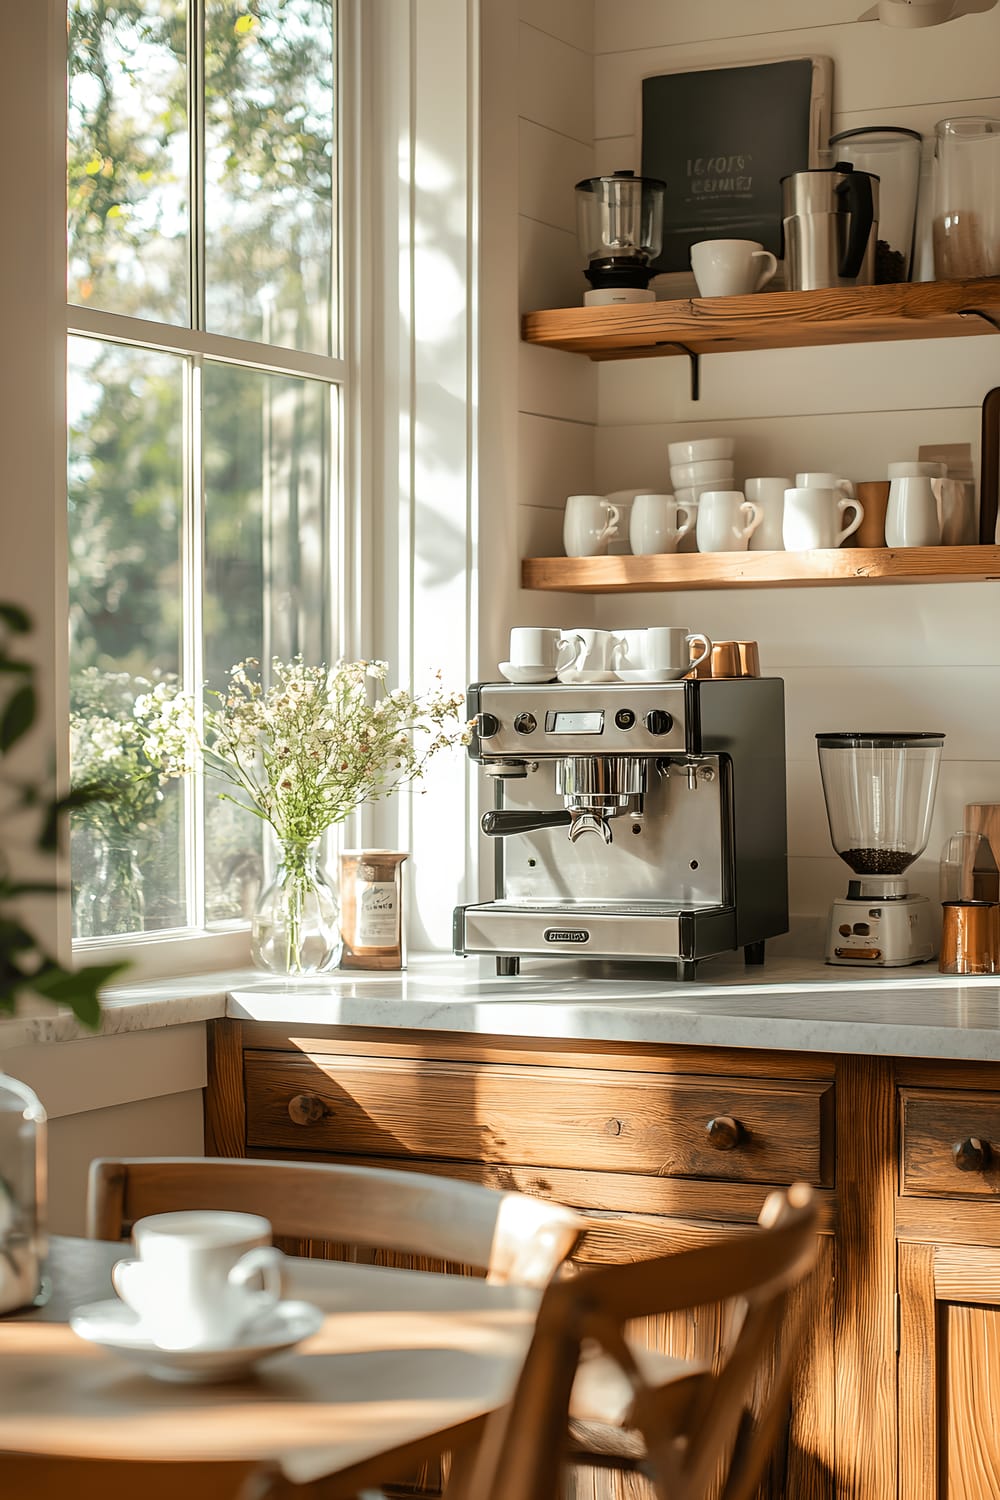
[
  {"x": 658, "y": 721},
  {"x": 487, "y": 725}
]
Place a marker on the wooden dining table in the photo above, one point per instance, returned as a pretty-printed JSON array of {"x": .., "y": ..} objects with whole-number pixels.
[{"x": 407, "y": 1364}]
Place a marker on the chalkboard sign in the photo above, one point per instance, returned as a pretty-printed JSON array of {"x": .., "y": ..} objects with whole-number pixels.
[{"x": 722, "y": 138}]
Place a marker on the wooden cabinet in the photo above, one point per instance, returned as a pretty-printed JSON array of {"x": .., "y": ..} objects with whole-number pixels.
[
  {"x": 949, "y": 1283},
  {"x": 667, "y": 1147}
]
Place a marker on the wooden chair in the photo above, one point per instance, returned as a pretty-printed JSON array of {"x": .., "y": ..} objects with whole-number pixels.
[
  {"x": 696, "y": 1419},
  {"x": 514, "y": 1238}
]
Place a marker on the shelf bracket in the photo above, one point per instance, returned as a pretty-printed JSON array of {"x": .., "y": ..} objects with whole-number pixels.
[
  {"x": 979, "y": 312},
  {"x": 694, "y": 361}
]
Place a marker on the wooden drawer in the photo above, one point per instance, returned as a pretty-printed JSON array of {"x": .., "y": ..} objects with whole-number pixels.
[
  {"x": 949, "y": 1143},
  {"x": 601, "y": 1120}
]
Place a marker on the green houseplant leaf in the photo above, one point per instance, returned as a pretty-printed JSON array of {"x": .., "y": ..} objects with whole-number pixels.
[{"x": 25, "y": 967}]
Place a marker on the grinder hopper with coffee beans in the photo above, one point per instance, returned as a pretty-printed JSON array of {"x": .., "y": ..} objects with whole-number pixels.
[{"x": 879, "y": 790}]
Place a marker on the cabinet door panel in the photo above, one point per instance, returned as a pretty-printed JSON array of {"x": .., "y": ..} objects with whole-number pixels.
[
  {"x": 970, "y": 1395},
  {"x": 949, "y": 1373}
]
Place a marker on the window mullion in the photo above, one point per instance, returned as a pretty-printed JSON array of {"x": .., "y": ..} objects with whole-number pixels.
[
  {"x": 193, "y": 650},
  {"x": 196, "y": 138}
]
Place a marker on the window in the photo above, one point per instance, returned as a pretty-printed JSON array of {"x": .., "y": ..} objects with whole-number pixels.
[{"x": 205, "y": 397}]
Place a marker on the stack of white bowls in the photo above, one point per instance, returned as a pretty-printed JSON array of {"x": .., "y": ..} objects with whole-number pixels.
[{"x": 699, "y": 466}]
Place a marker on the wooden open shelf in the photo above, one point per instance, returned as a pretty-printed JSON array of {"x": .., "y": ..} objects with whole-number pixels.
[
  {"x": 764, "y": 570},
  {"x": 771, "y": 320}
]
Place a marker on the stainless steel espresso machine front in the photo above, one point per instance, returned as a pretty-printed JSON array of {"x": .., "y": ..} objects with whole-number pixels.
[{"x": 631, "y": 821}]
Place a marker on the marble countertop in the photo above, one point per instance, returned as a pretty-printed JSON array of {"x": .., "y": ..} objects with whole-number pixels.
[{"x": 793, "y": 1004}]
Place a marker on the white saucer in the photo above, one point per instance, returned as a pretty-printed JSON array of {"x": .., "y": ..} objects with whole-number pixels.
[
  {"x": 581, "y": 679},
  {"x": 113, "y": 1325},
  {"x": 650, "y": 674},
  {"x": 525, "y": 674}
]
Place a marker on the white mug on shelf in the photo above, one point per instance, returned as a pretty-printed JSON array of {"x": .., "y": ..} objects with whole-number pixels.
[
  {"x": 812, "y": 518},
  {"x": 731, "y": 268},
  {"x": 769, "y": 494},
  {"x": 591, "y": 651},
  {"x": 655, "y": 524},
  {"x": 589, "y": 523},
  {"x": 726, "y": 521},
  {"x": 811, "y": 481},
  {"x": 191, "y": 1283},
  {"x": 534, "y": 646}
]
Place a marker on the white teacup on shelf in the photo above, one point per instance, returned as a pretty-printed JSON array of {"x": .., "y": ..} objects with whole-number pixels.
[
  {"x": 656, "y": 525},
  {"x": 812, "y": 518},
  {"x": 769, "y": 494},
  {"x": 726, "y": 521},
  {"x": 590, "y": 521}
]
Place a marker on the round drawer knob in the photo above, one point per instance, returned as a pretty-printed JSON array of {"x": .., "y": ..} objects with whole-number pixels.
[
  {"x": 972, "y": 1154},
  {"x": 724, "y": 1133},
  {"x": 306, "y": 1109}
]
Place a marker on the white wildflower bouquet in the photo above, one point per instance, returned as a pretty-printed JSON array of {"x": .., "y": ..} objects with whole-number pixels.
[{"x": 305, "y": 752}]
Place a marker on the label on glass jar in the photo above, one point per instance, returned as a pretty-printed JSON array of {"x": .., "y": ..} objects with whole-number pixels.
[{"x": 377, "y": 920}]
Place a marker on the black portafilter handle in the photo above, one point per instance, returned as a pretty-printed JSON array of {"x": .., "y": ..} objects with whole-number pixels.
[{"x": 501, "y": 822}]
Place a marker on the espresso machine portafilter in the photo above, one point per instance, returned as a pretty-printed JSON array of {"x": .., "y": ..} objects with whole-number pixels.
[{"x": 640, "y": 821}]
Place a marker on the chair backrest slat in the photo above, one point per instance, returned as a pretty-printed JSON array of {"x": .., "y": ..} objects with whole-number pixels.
[
  {"x": 685, "y": 1440},
  {"x": 511, "y": 1236}
]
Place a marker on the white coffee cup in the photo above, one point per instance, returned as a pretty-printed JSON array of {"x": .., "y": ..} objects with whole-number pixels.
[
  {"x": 769, "y": 494},
  {"x": 731, "y": 268},
  {"x": 191, "y": 1281},
  {"x": 726, "y": 521},
  {"x": 655, "y": 524},
  {"x": 589, "y": 524},
  {"x": 812, "y": 518},
  {"x": 664, "y": 649},
  {"x": 811, "y": 481},
  {"x": 591, "y": 651},
  {"x": 534, "y": 646}
]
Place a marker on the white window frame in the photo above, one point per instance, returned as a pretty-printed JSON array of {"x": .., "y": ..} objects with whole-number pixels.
[
  {"x": 227, "y": 943},
  {"x": 410, "y": 76}
]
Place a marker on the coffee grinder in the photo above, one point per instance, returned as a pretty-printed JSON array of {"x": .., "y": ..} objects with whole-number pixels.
[
  {"x": 620, "y": 226},
  {"x": 879, "y": 791}
]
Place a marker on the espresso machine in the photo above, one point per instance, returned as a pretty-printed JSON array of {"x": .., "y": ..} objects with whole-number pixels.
[{"x": 639, "y": 821}]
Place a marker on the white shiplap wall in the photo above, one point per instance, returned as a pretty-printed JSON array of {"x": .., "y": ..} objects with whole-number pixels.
[
  {"x": 539, "y": 408},
  {"x": 868, "y": 656}
]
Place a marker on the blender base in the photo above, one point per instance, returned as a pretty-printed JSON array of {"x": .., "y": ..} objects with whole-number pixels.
[
  {"x": 873, "y": 934},
  {"x": 608, "y": 296}
]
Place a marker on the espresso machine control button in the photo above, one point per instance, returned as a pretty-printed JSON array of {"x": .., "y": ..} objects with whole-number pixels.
[
  {"x": 525, "y": 723},
  {"x": 487, "y": 725},
  {"x": 658, "y": 721},
  {"x": 624, "y": 718}
]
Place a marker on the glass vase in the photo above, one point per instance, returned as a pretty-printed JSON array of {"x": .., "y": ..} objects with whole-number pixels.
[
  {"x": 22, "y": 1194},
  {"x": 296, "y": 926},
  {"x": 110, "y": 898}
]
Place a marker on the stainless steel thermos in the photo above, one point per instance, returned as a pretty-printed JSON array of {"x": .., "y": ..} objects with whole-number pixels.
[{"x": 829, "y": 227}]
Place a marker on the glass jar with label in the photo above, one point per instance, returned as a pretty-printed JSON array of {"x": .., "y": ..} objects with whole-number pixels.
[{"x": 371, "y": 906}]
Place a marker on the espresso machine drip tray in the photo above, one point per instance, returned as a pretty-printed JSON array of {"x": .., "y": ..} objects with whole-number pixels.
[{"x": 643, "y": 931}]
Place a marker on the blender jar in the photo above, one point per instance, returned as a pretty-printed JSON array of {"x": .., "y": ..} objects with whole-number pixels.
[
  {"x": 879, "y": 791},
  {"x": 892, "y": 154},
  {"x": 620, "y": 228},
  {"x": 966, "y": 228}
]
